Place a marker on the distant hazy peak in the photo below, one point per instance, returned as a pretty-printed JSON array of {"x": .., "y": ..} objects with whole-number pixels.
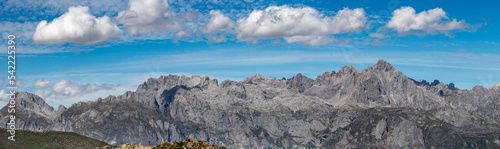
[{"x": 495, "y": 87}]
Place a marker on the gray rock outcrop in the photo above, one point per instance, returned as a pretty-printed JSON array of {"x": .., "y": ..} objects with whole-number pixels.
[{"x": 378, "y": 107}]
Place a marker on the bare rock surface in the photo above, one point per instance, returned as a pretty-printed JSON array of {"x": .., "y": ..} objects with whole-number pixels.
[{"x": 378, "y": 107}]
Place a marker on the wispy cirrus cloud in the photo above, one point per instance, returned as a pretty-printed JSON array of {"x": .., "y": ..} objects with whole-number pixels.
[{"x": 33, "y": 10}]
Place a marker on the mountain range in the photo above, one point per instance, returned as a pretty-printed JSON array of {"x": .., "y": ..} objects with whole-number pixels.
[{"x": 378, "y": 107}]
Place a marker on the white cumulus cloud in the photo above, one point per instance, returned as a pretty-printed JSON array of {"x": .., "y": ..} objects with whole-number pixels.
[
  {"x": 218, "y": 26},
  {"x": 65, "y": 89},
  {"x": 3, "y": 95},
  {"x": 406, "y": 20},
  {"x": 76, "y": 26},
  {"x": 299, "y": 25},
  {"x": 145, "y": 16},
  {"x": 43, "y": 88},
  {"x": 41, "y": 84},
  {"x": 219, "y": 22},
  {"x": 43, "y": 92}
]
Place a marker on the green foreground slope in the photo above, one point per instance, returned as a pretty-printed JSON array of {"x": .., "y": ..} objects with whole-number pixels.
[{"x": 47, "y": 139}]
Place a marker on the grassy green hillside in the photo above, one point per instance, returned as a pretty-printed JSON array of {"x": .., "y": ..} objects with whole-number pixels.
[{"x": 47, "y": 139}]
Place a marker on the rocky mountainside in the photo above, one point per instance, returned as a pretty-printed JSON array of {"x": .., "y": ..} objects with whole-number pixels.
[{"x": 378, "y": 107}]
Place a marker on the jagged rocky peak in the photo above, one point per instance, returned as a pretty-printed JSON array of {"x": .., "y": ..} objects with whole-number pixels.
[
  {"x": 196, "y": 80},
  {"x": 436, "y": 83},
  {"x": 257, "y": 76},
  {"x": 110, "y": 97},
  {"x": 33, "y": 103},
  {"x": 257, "y": 79},
  {"x": 62, "y": 107},
  {"x": 478, "y": 88},
  {"x": 420, "y": 82},
  {"x": 495, "y": 87},
  {"x": 328, "y": 74},
  {"x": 425, "y": 82},
  {"x": 254, "y": 79},
  {"x": 228, "y": 83},
  {"x": 332, "y": 113},
  {"x": 348, "y": 70},
  {"x": 439, "y": 84},
  {"x": 452, "y": 86},
  {"x": 127, "y": 94},
  {"x": 170, "y": 81},
  {"x": 325, "y": 78},
  {"x": 299, "y": 83},
  {"x": 300, "y": 77},
  {"x": 383, "y": 65},
  {"x": 271, "y": 78}
]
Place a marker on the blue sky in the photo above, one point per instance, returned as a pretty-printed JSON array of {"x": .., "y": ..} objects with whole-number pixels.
[{"x": 82, "y": 50}]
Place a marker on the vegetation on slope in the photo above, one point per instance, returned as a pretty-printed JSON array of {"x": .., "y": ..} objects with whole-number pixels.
[
  {"x": 47, "y": 139},
  {"x": 186, "y": 144}
]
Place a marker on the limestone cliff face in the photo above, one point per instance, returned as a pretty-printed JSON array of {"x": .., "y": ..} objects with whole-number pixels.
[
  {"x": 31, "y": 113},
  {"x": 378, "y": 107}
]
